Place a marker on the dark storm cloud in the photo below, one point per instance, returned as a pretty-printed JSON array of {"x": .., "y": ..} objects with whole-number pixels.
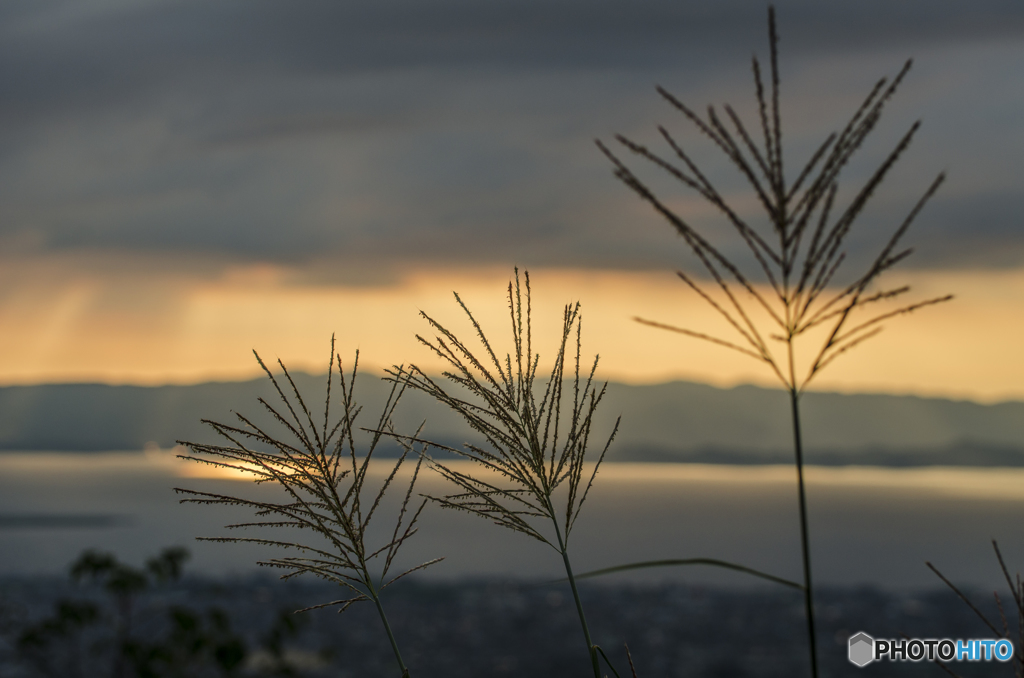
[
  {"x": 449, "y": 131},
  {"x": 102, "y": 53}
]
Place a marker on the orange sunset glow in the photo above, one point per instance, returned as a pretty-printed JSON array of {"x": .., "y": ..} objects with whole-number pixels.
[
  {"x": 159, "y": 221},
  {"x": 169, "y": 328}
]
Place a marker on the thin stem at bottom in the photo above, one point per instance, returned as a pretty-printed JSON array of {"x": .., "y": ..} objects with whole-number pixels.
[
  {"x": 391, "y": 636},
  {"x": 804, "y": 541},
  {"x": 591, "y": 649}
]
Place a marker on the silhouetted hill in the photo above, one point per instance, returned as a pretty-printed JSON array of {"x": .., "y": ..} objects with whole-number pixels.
[{"x": 676, "y": 421}]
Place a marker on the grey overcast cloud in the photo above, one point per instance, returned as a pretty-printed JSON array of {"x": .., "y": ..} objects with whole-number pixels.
[{"x": 374, "y": 133}]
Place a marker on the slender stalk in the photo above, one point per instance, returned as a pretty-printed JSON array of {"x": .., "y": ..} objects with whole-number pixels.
[
  {"x": 591, "y": 649},
  {"x": 794, "y": 397},
  {"x": 805, "y": 547},
  {"x": 391, "y": 635}
]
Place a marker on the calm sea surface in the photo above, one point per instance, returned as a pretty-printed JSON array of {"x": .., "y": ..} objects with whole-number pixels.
[{"x": 868, "y": 525}]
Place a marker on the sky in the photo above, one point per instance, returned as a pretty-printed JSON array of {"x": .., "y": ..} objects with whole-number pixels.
[{"x": 184, "y": 181}]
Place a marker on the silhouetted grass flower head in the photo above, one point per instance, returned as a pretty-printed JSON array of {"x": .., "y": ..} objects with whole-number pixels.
[
  {"x": 537, "y": 427},
  {"x": 326, "y": 479},
  {"x": 800, "y": 258}
]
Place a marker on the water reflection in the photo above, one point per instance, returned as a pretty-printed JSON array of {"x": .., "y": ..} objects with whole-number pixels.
[{"x": 868, "y": 525}]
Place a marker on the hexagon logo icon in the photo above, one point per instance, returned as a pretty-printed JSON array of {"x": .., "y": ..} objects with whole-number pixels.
[{"x": 862, "y": 649}]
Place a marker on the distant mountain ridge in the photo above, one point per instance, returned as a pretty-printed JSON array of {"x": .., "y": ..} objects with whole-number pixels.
[{"x": 675, "y": 421}]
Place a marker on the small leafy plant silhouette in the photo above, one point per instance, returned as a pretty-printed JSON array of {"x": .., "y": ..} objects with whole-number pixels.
[
  {"x": 530, "y": 473},
  {"x": 127, "y": 635},
  {"x": 125, "y": 583},
  {"x": 795, "y": 282},
  {"x": 324, "y": 482}
]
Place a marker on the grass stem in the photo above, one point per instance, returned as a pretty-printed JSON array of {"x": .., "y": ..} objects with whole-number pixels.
[
  {"x": 804, "y": 541},
  {"x": 391, "y": 635},
  {"x": 591, "y": 648}
]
